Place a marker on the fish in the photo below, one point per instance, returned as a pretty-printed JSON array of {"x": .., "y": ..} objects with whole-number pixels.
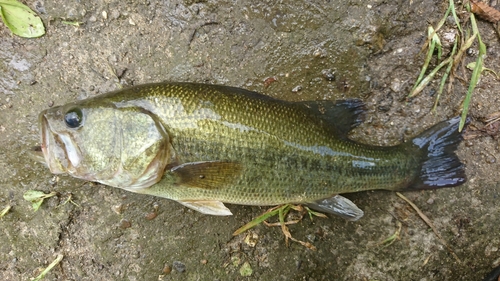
[{"x": 205, "y": 145}]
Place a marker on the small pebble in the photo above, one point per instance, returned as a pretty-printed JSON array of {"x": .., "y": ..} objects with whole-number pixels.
[
  {"x": 118, "y": 209},
  {"x": 268, "y": 81},
  {"x": 328, "y": 74},
  {"x": 124, "y": 224},
  {"x": 297, "y": 89},
  {"x": 151, "y": 216},
  {"x": 396, "y": 85},
  {"x": 298, "y": 264},
  {"x": 54, "y": 180},
  {"x": 115, "y": 14},
  {"x": 179, "y": 266},
  {"x": 319, "y": 53},
  {"x": 167, "y": 269},
  {"x": 204, "y": 261},
  {"x": 104, "y": 14},
  {"x": 430, "y": 201},
  {"x": 472, "y": 52},
  {"x": 311, "y": 237},
  {"x": 491, "y": 160}
]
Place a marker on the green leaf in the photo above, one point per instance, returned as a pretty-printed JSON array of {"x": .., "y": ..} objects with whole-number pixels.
[
  {"x": 472, "y": 65},
  {"x": 20, "y": 19},
  {"x": 246, "y": 270},
  {"x": 5, "y": 211},
  {"x": 36, "y": 198}
]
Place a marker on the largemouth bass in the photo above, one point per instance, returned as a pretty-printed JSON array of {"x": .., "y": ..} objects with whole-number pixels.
[{"x": 205, "y": 145}]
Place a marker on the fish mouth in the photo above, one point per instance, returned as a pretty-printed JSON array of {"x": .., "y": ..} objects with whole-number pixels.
[
  {"x": 36, "y": 154},
  {"x": 47, "y": 144},
  {"x": 54, "y": 151}
]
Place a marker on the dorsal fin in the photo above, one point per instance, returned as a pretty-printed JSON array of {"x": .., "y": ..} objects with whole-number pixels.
[{"x": 344, "y": 115}]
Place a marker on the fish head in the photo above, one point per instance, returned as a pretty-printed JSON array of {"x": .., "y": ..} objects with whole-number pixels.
[{"x": 122, "y": 147}]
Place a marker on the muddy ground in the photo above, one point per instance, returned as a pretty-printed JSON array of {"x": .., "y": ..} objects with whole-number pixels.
[{"x": 315, "y": 50}]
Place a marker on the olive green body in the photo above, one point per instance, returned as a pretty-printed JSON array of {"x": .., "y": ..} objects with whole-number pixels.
[{"x": 272, "y": 151}]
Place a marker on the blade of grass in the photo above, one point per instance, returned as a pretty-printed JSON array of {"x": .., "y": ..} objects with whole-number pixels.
[
  {"x": 5, "y": 211},
  {"x": 451, "y": 8},
  {"x": 445, "y": 76},
  {"x": 428, "y": 78},
  {"x": 464, "y": 47},
  {"x": 391, "y": 239},
  {"x": 259, "y": 219},
  {"x": 426, "y": 62},
  {"x": 51, "y": 265},
  {"x": 434, "y": 40},
  {"x": 476, "y": 73},
  {"x": 454, "y": 13}
]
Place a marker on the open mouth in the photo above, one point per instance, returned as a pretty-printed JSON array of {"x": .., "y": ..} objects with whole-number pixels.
[
  {"x": 52, "y": 150},
  {"x": 45, "y": 140}
]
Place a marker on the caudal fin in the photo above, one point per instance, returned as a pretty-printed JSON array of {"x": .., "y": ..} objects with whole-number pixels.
[{"x": 441, "y": 166}]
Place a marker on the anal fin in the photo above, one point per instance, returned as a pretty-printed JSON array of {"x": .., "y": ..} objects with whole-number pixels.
[
  {"x": 215, "y": 208},
  {"x": 338, "y": 205}
]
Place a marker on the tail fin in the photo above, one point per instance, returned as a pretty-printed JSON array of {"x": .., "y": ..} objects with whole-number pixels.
[{"x": 441, "y": 166}]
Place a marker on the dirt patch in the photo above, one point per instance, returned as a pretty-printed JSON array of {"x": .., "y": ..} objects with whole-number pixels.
[{"x": 314, "y": 50}]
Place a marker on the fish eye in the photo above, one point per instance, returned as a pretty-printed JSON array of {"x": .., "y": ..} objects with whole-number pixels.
[{"x": 73, "y": 118}]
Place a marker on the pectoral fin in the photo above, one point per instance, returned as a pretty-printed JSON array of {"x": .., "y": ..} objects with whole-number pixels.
[
  {"x": 215, "y": 208},
  {"x": 207, "y": 174},
  {"x": 338, "y": 205}
]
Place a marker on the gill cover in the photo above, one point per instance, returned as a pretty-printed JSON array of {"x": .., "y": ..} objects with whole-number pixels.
[{"x": 125, "y": 147}]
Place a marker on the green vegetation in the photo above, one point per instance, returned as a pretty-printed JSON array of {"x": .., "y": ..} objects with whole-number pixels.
[
  {"x": 462, "y": 42},
  {"x": 36, "y": 197},
  {"x": 20, "y": 19}
]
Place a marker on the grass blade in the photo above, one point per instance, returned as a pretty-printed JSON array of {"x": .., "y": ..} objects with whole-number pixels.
[
  {"x": 428, "y": 58},
  {"x": 445, "y": 76},
  {"x": 454, "y": 13},
  {"x": 476, "y": 73},
  {"x": 46, "y": 270},
  {"x": 258, "y": 220}
]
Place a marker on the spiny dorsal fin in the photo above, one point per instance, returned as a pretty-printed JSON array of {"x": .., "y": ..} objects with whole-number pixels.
[
  {"x": 207, "y": 174},
  {"x": 344, "y": 115}
]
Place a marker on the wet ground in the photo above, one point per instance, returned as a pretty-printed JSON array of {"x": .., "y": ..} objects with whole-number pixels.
[{"x": 314, "y": 50}]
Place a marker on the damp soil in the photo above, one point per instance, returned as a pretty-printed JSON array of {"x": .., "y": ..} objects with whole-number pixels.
[{"x": 300, "y": 51}]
